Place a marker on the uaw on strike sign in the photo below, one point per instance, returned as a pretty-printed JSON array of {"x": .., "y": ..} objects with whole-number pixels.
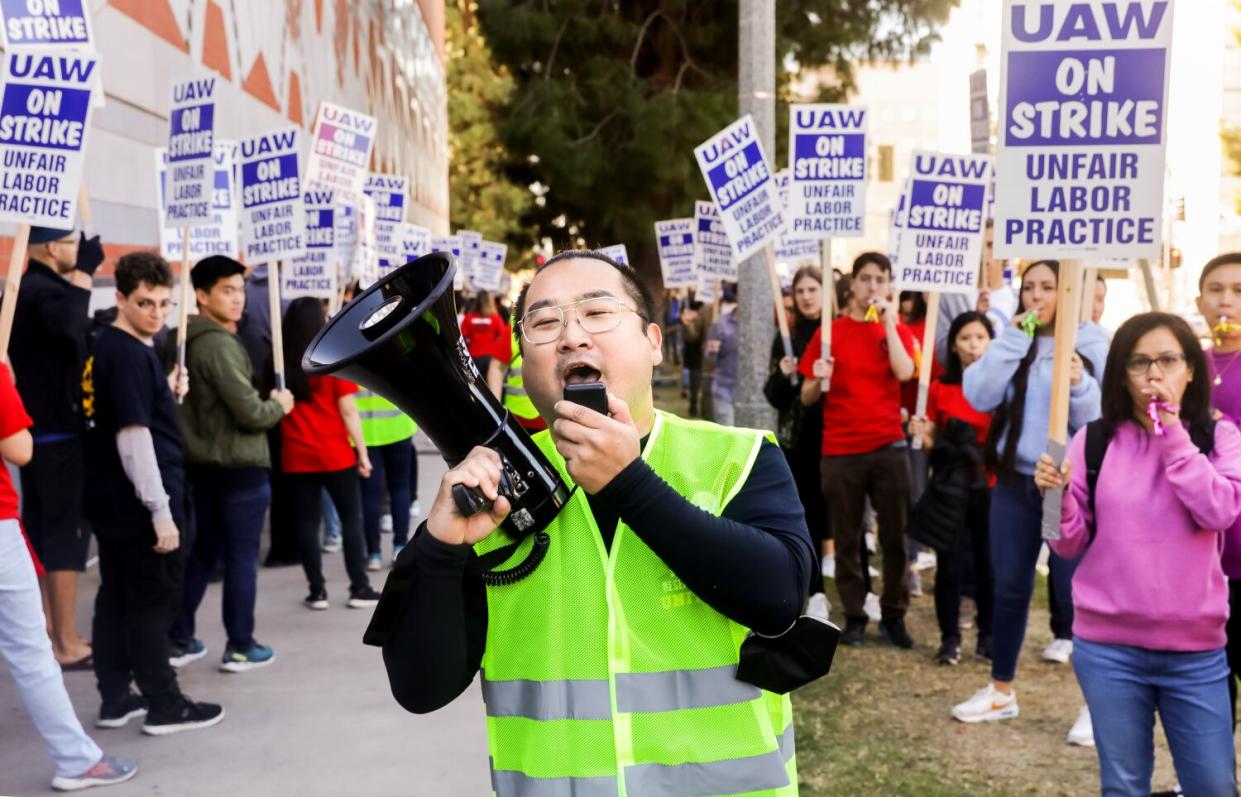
[
  {"x": 1083, "y": 113},
  {"x": 273, "y": 220},
  {"x": 739, "y": 178},
  {"x": 827, "y": 171},
  {"x": 44, "y": 118},
  {"x": 340, "y": 151},
  {"x": 191, "y": 147},
  {"x": 44, "y": 23},
  {"x": 941, "y": 241}
]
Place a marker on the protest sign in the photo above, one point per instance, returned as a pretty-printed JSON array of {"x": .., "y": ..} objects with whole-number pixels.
[
  {"x": 364, "y": 259},
  {"x": 1083, "y": 114},
  {"x": 980, "y": 114},
  {"x": 49, "y": 23},
  {"x": 389, "y": 193},
  {"x": 491, "y": 257},
  {"x": 941, "y": 241},
  {"x": 674, "y": 239},
  {"x": 618, "y": 253},
  {"x": 191, "y": 151},
  {"x": 791, "y": 247},
  {"x": 415, "y": 242},
  {"x": 827, "y": 171},
  {"x": 314, "y": 273},
  {"x": 220, "y": 236},
  {"x": 470, "y": 243},
  {"x": 739, "y": 179},
  {"x": 713, "y": 254},
  {"x": 273, "y": 221},
  {"x": 340, "y": 151},
  {"x": 451, "y": 245}
]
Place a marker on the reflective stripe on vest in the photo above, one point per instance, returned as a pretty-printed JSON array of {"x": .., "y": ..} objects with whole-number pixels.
[
  {"x": 382, "y": 423},
  {"x": 622, "y": 681},
  {"x": 373, "y": 415}
]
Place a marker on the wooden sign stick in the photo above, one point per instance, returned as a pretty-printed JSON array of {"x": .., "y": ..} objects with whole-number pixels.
[
  {"x": 84, "y": 210},
  {"x": 829, "y": 302},
  {"x": 187, "y": 296},
  {"x": 926, "y": 361},
  {"x": 1067, "y": 307},
  {"x": 1090, "y": 277},
  {"x": 778, "y": 298},
  {"x": 12, "y": 282},
  {"x": 277, "y": 330}
]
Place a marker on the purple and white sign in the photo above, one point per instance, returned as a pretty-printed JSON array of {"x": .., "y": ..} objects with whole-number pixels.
[
  {"x": 451, "y": 245},
  {"x": 273, "y": 213},
  {"x": 739, "y": 179},
  {"x": 941, "y": 240},
  {"x": 389, "y": 193},
  {"x": 314, "y": 273},
  {"x": 713, "y": 255},
  {"x": 789, "y": 249},
  {"x": 896, "y": 223},
  {"x": 340, "y": 151},
  {"x": 471, "y": 242},
  {"x": 46, "y": 23},
  {"x": 491, "y": 257},
  {"x": 674, "y": 239},
  {"x": 415, "y": 242},
  {"x": 219, "y": 237},
  {"x": 617, "y": 252},
  {"x": 1082, "y": 135},
  {"x": 827, "y": 171},
  {"x": 191, "y": 140}
]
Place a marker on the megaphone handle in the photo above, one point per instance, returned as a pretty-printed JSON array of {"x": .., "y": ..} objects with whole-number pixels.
[{"x": 469, "y": 500}]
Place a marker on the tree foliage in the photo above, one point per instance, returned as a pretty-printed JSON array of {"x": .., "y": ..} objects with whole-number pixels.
[
  {"x": 482, "y": 196},
  {"x": 612, "y": 96}
]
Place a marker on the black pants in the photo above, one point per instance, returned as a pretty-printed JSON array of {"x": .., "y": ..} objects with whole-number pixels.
[
  {"x": 1061, "y": 626},
  {"x": 948, "y": 568},
  {"x": 343, "y": 488},
  {"x": 283, "y": 523},
  {"x": 804, "y": 463},
  {"x": 1233, "y": 630},
  {"x": 139, "y": 593}
]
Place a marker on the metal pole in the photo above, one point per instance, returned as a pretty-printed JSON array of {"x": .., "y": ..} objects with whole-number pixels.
[{"x": 756, "y": 323}]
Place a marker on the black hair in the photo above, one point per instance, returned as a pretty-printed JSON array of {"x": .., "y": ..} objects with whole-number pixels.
[
  {"x": 634, "y": 287},
  {"x": 919, "y": 300},
  {"x": 844, "y": 289},
  {"x": 1226, "y": 259},
  {"x": 1118, "y": 404},
  {"x": 210, "y": 270},
  {"x": 953, "y": 370},
  {"x": 813, "y": 272},
  {"x": 302, "y": 321},
  {"x": 1011, "y": 413},
  {"x": 866, "y": 258},
  {"x": 142, "y": 268}
]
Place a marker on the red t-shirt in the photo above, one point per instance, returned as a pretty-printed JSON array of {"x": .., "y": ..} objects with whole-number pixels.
[
  {"x": 486, "y": 336},
  {"x": 909, "y": 390},
  {"x": 13, "y": 419},
  {"x": 313, "y": 437},
  {"x": 862, "y": 410},
  {"x": 945, "y": 402}
]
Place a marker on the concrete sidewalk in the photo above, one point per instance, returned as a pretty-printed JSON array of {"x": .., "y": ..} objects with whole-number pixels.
[{"x": 319, "y": 721}]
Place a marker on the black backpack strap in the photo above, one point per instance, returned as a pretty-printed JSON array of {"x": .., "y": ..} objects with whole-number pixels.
[
  {"x": 1097, "y": 438},
  {"x": 1204, "y": 437}
]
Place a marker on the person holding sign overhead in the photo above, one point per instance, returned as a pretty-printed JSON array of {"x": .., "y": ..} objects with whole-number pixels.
[
  {"x": 1013, "y": 382},
  {"x": 864, "y": 443},
  {"x": 48, "y": 351}
]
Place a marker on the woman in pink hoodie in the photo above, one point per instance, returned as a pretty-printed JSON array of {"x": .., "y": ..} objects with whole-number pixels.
[{"x": 1150, "y": 597}]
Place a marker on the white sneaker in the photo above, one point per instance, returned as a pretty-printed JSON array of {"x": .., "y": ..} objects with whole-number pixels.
[
  {"x": 926, "y": 560},
  {"x": 870, "y": 541},
  {"x": 818, "y": 606},
  {"x": 871, "y": 607},
  {"x": 1082, "y": 732},
  {"x": 829, "y": 566},
  {"x": 987, "y": 705},
  {"x": 331, "y": 543},
  {"x": 415, "y": 510},
  {"x": 385, "y": 524},
  {"x": 873, "y": 572},
  {"x": 1059, "y": 651}
]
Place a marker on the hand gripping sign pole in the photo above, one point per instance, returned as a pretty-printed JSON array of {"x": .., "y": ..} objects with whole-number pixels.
[
  {"x": 926, "y": 361},
  {"x": 1067, "y": 307}
]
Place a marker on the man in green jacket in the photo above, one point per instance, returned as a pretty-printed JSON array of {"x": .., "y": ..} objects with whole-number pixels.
[{"x": 224, "y": 420}]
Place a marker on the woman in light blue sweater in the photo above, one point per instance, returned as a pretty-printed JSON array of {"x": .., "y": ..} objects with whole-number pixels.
[{"x": 1013, "y": 381}]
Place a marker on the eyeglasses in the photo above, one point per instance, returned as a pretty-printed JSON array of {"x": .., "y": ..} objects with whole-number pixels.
[
  {"x": 1168, "y": 364},
  {"x": 596, "y": 315},
  {"x": 147, "y": 305}
]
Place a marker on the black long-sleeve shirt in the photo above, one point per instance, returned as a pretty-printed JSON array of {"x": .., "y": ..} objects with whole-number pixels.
[{"x": 752, "y": 564}]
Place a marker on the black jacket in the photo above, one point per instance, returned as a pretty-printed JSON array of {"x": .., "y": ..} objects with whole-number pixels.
[
  {"x": 48, "y": 349},
  {"x": 956, "y": 463},
  {"x": 800, "y": 428}
]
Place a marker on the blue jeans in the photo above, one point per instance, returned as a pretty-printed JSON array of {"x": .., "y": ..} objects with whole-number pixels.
[
  {"x": 1016, "y": 537},
  {"x": 229, "y": 527},
  {"x": 1125, "y": 686},
  {"x": 391, "y": 468},
  {"x": 28, "y": 653}
]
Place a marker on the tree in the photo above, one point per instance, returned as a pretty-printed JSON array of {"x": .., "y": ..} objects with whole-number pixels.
[
  {"x": 482, "y": 196},
  {"x": 611, "y": 97}
]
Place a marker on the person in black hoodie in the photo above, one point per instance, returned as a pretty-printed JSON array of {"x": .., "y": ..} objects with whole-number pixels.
[{"x": 800, "y": 428}]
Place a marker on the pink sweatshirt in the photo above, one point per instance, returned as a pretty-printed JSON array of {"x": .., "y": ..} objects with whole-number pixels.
[{"x": 1152, "y": 577}]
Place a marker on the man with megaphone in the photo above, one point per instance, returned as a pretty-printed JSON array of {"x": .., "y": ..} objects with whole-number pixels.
[{"x": 652, "y": 648}]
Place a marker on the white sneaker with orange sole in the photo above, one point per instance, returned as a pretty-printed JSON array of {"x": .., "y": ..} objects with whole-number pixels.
[{"x": 987, "y": 705}]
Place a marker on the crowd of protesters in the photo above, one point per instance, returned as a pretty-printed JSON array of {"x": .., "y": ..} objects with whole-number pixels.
[{"x": 175, "y": 471}]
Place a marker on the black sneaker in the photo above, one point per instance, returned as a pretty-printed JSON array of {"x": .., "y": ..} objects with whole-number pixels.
[
  {"x": 118, "y": 714},
  {"x": 893, "y": 631},
  {"x": 855, "y": 629},
  {"x": 317, "y": 600},
  {"x": 983, "y": 650},
  {"x": 362, "y": 598},
  {"x": 949, "y": 652},
  {"x": 183, "y": 715}
]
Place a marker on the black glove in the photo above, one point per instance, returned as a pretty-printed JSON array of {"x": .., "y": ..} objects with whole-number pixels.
[{"x": 90, "y": 255}]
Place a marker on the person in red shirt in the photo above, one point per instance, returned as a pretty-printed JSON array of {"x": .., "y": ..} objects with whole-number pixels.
[
  {"x": 316, "y": 455},
  {"x": 864, "y": 442},
  {"x": 968, "y": 339}
]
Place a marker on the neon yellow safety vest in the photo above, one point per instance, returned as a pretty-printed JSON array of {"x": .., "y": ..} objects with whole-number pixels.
[
  {"x": 382, "y": 423},
  {"x": 604, "y": 675},
  {"x": 515, "y": 398}
]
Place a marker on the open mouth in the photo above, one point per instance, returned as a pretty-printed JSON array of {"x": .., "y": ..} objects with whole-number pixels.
[{"x": 581, "y": 374}]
